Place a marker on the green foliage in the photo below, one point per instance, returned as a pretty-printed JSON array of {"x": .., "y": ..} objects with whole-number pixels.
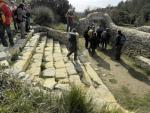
[
  {"x": 76, "y": 102},
  {"x": 60, "y": 26},
  {"x": 106, "y": 109},
  {"x": 43, "y": 15},
  {"x": 59, "y": 7},
  {"x": 132, "y": 102}
]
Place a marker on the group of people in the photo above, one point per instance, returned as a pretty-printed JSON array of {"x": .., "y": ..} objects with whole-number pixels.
[
  {"x": 95, "y": 38},
  {"x": 100, "y": 37},
  {"x": 19, "y": 15}
]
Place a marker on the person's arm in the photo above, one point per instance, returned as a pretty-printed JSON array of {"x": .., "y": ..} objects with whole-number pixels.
[{"x": 77, "y": 38}]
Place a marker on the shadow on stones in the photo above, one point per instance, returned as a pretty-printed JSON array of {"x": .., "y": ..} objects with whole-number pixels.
[{"x": 101, "y": 62}]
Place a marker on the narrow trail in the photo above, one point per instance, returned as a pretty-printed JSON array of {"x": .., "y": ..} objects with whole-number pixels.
[{"x": 117, "y": 75}]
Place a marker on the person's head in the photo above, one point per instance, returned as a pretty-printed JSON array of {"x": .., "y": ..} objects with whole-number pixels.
[
  {"x": 93, "y": 27},
  {"x": 89, "y": 27},
  {"x": 119, "y": 32}
]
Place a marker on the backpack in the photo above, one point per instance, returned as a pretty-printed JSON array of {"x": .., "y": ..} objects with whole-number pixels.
[
  {"x": 72, "y": 38},
  {"x": 122, "y": 39},
  {"x": 2, "y": 15}
]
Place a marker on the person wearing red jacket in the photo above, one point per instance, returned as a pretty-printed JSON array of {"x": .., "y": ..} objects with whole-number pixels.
[{"x": 5, "y": 26}]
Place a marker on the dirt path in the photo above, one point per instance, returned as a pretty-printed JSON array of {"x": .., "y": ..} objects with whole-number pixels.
[{"x": 118, "y": 75}]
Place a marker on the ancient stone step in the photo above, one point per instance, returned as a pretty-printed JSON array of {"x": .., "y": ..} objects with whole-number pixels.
[
  {"x": 24, "y": 60},
  {"x": 49, "y": 72},
  {"x": 71, "y": 68},
  {"x": 63, "y": 87},
  {"x": 35, "y": 66},
  {"x": 93, "y": 75},
  {"x": 8, "y": 53},
  {"x": 49, "y": 83},
  {"x": 61, "y": 73},
  {"x": 83, "y": 73}
]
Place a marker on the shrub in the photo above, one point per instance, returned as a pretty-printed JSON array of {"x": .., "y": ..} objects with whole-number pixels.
[
  {"x": 43, "y": 15},
  {"x": 76, "y": 101}
]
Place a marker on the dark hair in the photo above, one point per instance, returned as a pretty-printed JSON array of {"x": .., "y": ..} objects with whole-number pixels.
[{"x": 119, "y": 32}]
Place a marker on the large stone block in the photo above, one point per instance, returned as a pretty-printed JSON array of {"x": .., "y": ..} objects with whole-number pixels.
[
  {"x": 49, "y": 83},
  {"x": 49, "y": 64},
  {"x": 93, "y": 75},
  {"x": 50, "y": 72},
  {"x": 59, "y": 64},
  {"x": 61, "y": 73}
]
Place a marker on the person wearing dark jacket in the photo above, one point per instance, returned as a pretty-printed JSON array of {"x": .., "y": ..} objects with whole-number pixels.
[
  {"x": 73, "y": 43},
  {"x": 86, "y": 37},
  {"x": 93, "y": 43},
  {"x": 120, "y": 40},
  {"x": 99, "y": 33},
  {"x": 105, "y": 38}
]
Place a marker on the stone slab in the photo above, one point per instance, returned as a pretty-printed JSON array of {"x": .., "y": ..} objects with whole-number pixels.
[
  {"x": 50, "y": 72},
  {"x": 64, "y": 81},
  {"x": 49, "y": 64},
  {"x": 63, "y": 87},
  {"x": 93, "y": 75},
  {"x": 59, "y": 64},
  {"x": 61, "y": 73},
  {"x": 49, "y": 83},
  {"x": 35, "y": 71}
]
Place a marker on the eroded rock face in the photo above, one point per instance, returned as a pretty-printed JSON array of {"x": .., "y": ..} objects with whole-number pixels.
[
  {"x": 138, "y": 42},
  {"x": 144, "y": 28}
]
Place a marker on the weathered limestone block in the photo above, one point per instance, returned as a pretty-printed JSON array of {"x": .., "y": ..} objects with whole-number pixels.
[
  {"x": 48, "y": 53},
  {"x": 71, "y": 69},
  {"x": 38, "y": 56},
  {"x": 75, "y": 80},
  {"x": 4, "y": 63},
  {"x": 59, "y": 64},
  {"x": 37, "y": 81},
  {"x": 105, "y": 94},
  {"x": 50, "y": 72},
  {"x": 63, "y": 87},
  {"x": 57, "y": 59},
  {"x": 61, "y": 73},
  {"x": 93, "y": 75},
  {"x": 64, "y": 81},
  {"x": 143, "y": 62},
  {"x": 49, "y": 83},
  {"x": 35, "y": 71},
  {"x": 36, "y": 64},
  {"x": 49, "y": 58},
  {"x": 49, "y": 48},
  {"x": 20, "y": 66},
  {"x": 49, "y": 64}
]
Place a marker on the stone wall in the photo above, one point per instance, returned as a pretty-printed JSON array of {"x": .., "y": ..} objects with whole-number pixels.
[
  {"x": 56, "y": 34},
  {"x": 144, "y": 28},
  {"x": 138, "y": 42}
]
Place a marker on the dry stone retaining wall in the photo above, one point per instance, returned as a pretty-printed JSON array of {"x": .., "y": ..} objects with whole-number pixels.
[{"x": 138, "y": 42}]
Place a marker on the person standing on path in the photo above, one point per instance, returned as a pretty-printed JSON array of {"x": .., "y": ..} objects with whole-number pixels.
[
  {"x": 105, "y": 38},
  {"x": 21, "y": 17},
  {"x": 120, "y": 41},
  {"x": 70, "y": 20},
  {"x": 86, "y": 37},
  {"x": 5, "y": 22},
  {"x": 73, "y": 43},
  {"x": 99, "y": 33}
]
